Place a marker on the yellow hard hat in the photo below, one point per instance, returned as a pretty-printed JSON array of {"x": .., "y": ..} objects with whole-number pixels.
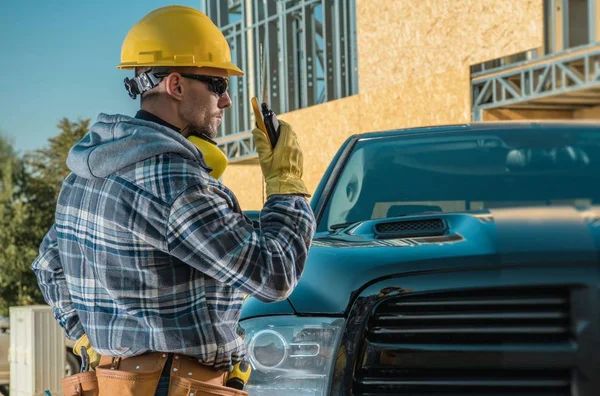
[{"x": 177, "y": 36}]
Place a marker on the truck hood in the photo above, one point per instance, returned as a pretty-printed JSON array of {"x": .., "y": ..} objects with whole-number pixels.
[{"x": 342, "y": 263}]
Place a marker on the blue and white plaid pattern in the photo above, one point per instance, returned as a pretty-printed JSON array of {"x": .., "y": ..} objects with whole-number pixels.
[{"x": 158, "y": 257}]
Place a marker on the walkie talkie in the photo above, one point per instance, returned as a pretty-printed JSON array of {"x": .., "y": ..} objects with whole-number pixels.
[
  {"x": 266, "y": 119},
  {"x": 271, "y": 123}
]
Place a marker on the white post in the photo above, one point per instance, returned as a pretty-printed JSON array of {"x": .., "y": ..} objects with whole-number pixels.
[{"x": 37, "y": 351}]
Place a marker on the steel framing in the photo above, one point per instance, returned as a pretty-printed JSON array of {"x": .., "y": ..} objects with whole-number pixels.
[
  {"x": 310, "y": 50},
  {"x": 550, "y": 77},
  {"x": 561, "y": 81}
]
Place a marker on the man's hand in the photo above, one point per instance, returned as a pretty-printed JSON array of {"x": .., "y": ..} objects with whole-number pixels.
[
  {"x": 83, "y": 341},
  {"x": 282, "y": 166}
]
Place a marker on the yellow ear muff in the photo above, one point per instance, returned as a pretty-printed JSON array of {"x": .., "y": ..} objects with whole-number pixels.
[{"x": 213, "y": 155}]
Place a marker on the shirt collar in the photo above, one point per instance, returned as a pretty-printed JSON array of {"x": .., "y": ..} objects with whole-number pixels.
[{"x": 147, "y": 116}]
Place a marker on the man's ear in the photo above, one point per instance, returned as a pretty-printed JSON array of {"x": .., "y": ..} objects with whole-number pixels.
[{"x": 174, "y": 85}]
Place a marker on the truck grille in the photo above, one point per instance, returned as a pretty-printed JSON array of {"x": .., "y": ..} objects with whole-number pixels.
[
  {"x": 457, "y": 382},
  {"x": 501, "y": 338},
  {"x": 476, "y": 317}
]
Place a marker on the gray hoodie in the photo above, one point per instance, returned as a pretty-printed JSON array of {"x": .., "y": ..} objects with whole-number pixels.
[{"x": 116, "y": 141}]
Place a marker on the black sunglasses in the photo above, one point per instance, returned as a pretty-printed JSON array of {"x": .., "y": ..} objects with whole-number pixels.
[{"x": 217, "y": 85}]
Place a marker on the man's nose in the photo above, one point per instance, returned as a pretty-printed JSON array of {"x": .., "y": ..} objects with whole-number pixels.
[{"x": 224, "y": 101}]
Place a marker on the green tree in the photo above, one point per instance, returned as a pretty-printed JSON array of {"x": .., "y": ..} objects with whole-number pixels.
[
  {"x": 11, "y": 220},
  {"x": 28, "y": 211},
  {"x": 46, "y": 169},
  {"x": 10, "y": 164}
]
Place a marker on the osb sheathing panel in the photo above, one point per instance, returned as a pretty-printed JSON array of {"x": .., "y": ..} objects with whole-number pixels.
[
  {"x": 246, "y": 182},
  {"x": 413, "y": 61},
  {"x": 411, "y": 40},
  {"x": 443, "y": 99},
  {"x": 511, "y": 115},
  {"x": 592, "y": 113}
]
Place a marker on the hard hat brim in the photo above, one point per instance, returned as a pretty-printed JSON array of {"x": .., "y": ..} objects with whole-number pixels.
[{"x": 231, "y": 69}]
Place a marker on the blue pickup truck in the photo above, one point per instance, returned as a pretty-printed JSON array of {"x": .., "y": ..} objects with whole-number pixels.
[{"x": 448, "y": 260}]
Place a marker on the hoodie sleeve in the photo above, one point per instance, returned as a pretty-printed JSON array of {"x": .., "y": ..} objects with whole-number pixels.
[
  {"x": 205, "y": 232},
  {"x": 51, "y": 279}
]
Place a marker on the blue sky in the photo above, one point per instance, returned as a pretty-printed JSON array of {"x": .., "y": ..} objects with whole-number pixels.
[{"x": 59, "y": 59}]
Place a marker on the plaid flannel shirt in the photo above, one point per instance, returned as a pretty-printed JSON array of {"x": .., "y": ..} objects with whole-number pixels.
[{"x": 158, "y": 257}]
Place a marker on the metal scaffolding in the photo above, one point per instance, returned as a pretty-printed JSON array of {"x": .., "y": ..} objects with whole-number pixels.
[{"x": 310, "y": 50}]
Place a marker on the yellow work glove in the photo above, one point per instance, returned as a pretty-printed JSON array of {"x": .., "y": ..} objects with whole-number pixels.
[
  {"x": 282, "y": 166},
  {"x": 83, "y": 341}
]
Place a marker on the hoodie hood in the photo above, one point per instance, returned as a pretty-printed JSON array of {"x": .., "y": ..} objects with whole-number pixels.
[{"x": 117, "y": 141}]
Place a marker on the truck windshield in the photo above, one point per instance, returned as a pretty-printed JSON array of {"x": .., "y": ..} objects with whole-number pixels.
[{"x": 399, "y": 175}]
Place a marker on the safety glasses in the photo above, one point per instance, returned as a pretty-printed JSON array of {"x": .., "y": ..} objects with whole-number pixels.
[
  {"x": 147, "y": 80},
  {"x": 217, "y": 85}
]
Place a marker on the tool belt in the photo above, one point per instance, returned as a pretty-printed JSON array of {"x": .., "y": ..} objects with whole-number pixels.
[{"x": 139, "y": 376}]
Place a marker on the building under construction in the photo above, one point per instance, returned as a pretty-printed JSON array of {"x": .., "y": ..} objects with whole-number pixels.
[{"x": 340, "y": 67}]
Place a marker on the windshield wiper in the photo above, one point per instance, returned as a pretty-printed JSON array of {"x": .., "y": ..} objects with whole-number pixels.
[
  {"x": 348, "y": 224},
  {"x": 342, "y": 225},
  {"x": 417, "y": 213}
]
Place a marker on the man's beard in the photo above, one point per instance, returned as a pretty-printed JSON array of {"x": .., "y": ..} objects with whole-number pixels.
[
  {"x": 205, "y": 129},
  {"x": 199, "y": 128}
]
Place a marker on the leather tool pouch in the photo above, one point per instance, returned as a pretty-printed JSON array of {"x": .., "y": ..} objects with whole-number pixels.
[
  {"x": 139, "y": 375},
  {"x": 82, "y": 384},
  {"x": 188, "y": 377},
  {"x": 132, "y": 376}
]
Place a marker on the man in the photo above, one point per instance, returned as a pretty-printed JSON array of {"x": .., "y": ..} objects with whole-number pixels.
[{"x": 149, "y": 252}]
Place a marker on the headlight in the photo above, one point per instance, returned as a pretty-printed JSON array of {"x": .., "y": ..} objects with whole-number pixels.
[{"x": 290, "y": 355}]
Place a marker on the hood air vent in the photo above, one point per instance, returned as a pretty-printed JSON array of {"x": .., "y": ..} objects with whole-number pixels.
[{"x": 411, "y": 228}]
